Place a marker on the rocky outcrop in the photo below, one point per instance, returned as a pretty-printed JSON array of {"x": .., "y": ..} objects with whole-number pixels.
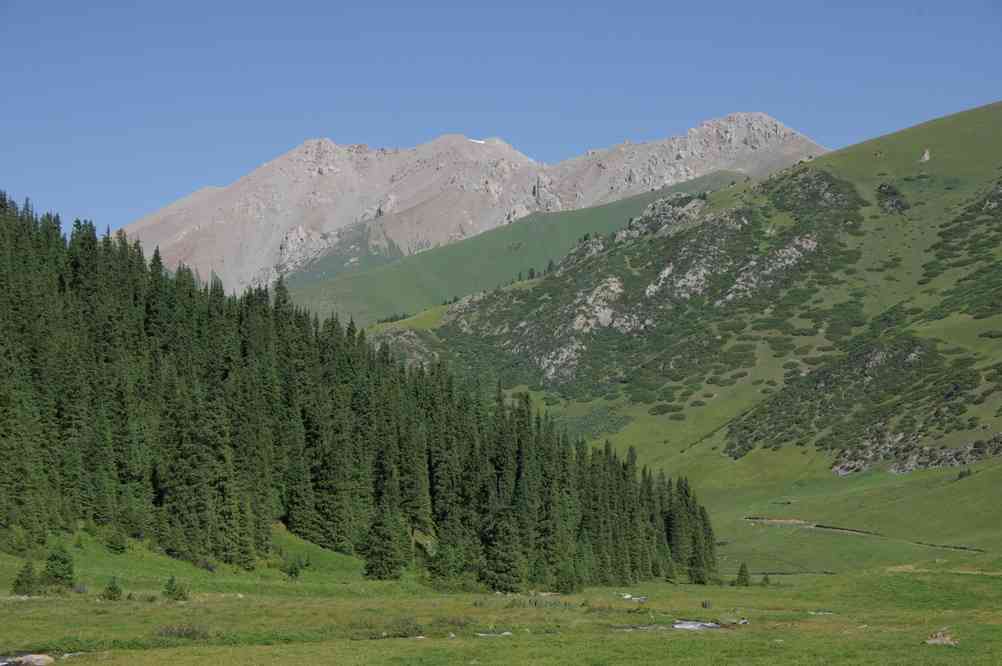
[
  {"x": 905, "y": 454},
  {"x": 312, "y": 201},
  {"x": 407, "y": 345},
  {"x": 623, "y": 284}
]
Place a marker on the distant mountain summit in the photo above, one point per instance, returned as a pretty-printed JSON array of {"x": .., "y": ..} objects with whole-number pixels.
[{"x": 323, "y": 198}]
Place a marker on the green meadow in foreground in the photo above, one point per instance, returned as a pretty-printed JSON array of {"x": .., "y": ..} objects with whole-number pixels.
[{"x": 331, "y": 614}]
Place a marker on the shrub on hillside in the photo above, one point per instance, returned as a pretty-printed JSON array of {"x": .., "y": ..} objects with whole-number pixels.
[
  {"x": 116, "y": 541},
  {"x": 174, "y": 590},
  {"x": 112, "y": 591},
  {"x": 26, "y": 583},
  {"x": 191, "y": 632},
  {"x": 59, "y": 569},
  {"x": 293, "y": 565}
]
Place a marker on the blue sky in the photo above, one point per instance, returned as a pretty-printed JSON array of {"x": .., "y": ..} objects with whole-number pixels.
[{"x": 111, "y": 110}]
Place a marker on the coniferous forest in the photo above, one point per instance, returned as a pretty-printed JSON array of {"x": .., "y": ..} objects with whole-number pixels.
[{"x": 149, "y": 404}]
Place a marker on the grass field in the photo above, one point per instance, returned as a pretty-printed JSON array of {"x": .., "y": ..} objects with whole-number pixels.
[
  {"x": 907, "y": 510},
  {"x": 880, "y": 615},
  {"x": 483, "y": 262}
]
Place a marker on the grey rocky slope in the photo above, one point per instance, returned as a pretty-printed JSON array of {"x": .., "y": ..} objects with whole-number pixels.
[{"x": 323, "y": 198}]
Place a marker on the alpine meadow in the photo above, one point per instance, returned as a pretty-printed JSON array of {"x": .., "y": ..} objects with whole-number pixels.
[{"x": 727, "y": 394}]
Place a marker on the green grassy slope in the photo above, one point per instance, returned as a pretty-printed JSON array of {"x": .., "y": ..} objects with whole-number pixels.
[
  {"x": 482, "y": 262},
  {"x": 333, "y": 615},
  {"x": 796, "y": 368},
  {"x": 906, "y": 510}
]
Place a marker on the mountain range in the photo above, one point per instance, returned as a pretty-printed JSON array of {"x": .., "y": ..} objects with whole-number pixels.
[{"x": 352, "y": 201}]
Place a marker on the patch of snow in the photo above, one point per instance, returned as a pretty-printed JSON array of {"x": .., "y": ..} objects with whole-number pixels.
[{"x": 480, "y": 141}]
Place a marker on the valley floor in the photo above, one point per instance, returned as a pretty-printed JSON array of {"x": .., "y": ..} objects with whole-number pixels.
[{"x": 881, "y": 615}]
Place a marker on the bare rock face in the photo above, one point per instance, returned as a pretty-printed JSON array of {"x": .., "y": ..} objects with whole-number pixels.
[
  {"x": 906, "y": 454},
  {"x": 314, "y": 200},
  {"x": 752, "y": 143}
]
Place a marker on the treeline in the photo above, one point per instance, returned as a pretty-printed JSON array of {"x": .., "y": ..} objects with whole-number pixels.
[{"x": 149, "y": 404}]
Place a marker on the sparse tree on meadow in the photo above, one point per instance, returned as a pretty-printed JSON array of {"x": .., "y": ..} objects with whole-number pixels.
[{"x": 743, "y": 579}]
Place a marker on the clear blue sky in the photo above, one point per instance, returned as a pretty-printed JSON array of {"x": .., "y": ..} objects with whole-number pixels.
[{"x": 112, "y": 111}]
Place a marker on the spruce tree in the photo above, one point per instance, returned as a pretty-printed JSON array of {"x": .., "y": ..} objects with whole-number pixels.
[
  {"x": 743, "y": 579},
  {"x": 698, "y": 573},
  {"x": 59, "y": 568},
  {"x": 679, "y": 525},
  {"x": 300, "y": 517},
  {"x": 699, "y": 566},
  {"x": 386, "y": 552},
  {"x": 137, "y": 397},
  {"x": 450, "y": 558},
  {"x": 709, "y": 539},
  {"x": 670, "y": 574},
  {"x": 504, "y": 569},
  {"x": 25, "y": 583},
  {"x": 116, "y": 541},
  {"x": 415, "y": 487},
  {"x": 112, "y": 591},
  {"x": 244, "y": 556},
  {"x": 175, "y": 590}
]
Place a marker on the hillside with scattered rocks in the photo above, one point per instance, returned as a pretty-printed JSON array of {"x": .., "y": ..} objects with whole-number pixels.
[{"x": 849, "y": 305}]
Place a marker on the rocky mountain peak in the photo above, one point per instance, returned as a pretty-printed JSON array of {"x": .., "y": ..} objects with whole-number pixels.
[{"x": 321, "y": 197}]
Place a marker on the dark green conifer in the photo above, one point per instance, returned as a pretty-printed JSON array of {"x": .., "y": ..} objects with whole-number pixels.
[
  {"x": 743, "y": 579},
  {"x": 59, "y": 568},
  {"x": 504, "y": 569},
  {"x": 386, "y": 552},
  {"x": 116, "y": 541},
  {"x": 25, "y": 583},
  {"x": 415, "y": 487},
  {"x": 670, "y": 574},
  {"x": 175, "y": 590},
  {"x": 112, "y": 591},
  {"x": 152, "y": 404}
]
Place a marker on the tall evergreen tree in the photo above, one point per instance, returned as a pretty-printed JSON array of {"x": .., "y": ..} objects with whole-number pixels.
[
  {"x": 135, "y": 396},
  {"x": 504, "y": 569},
  {"x": 743, "y": 579},
  {"x": 387, "y": 551}
]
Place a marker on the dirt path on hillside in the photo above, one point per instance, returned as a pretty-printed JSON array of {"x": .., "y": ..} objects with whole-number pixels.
[
  {"x": 911, "y": 568},
  {"x": 796, "y": 522}
]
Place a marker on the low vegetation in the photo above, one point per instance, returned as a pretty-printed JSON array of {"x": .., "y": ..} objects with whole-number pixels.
[
  {"x": 379, "y": 289},
  {"x": 336, "y": 615}
]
